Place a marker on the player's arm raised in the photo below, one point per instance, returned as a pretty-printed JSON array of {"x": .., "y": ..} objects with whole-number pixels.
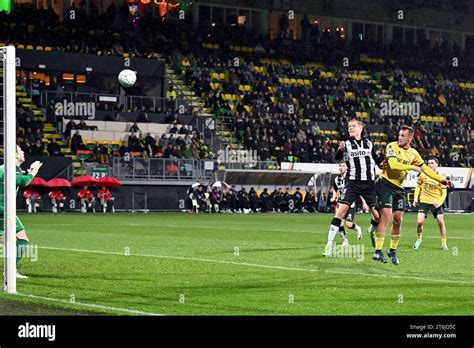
[
  {"x": 23, "y": 180},
  {"x": 435, "y": 176},
  {"x": 340, "y": 151},
  {"x": 394, "y": 164},
  {"x": 430, "y": 172}
]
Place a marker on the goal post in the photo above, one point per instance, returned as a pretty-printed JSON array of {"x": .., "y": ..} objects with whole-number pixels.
[{"x": 8, "y": 105}]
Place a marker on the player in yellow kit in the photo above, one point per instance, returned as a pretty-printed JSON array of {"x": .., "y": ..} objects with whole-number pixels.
[
  {"x": 391, "y": 196},
  {"x": 430, "y": 196}
]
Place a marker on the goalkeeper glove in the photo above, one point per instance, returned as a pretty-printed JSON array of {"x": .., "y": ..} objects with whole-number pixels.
[{"x": 35, "y": 167}]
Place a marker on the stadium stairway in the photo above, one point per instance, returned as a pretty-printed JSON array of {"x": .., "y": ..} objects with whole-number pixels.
[
  {"x": 49, "y": 130},
  {"x": 195, "y": 103},
  {"x": 224, "y": 131}
]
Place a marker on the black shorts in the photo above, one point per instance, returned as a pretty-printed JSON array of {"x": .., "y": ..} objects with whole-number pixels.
[
  {"x": 356, "y": 188},
  {"x": 390, "y": 195},
  {"x": 425, "y": 208}
]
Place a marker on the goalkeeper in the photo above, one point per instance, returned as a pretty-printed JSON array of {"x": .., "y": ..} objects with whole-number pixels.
[
  {"x": 430, "y": 196},
  {"x": 22, "y": 180}
]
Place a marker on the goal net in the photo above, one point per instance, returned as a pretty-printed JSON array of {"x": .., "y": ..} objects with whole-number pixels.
[{"x": 8, "y": 165}]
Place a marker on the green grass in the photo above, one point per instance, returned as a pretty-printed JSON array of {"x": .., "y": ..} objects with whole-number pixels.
[{"x": 182, "y": 264}]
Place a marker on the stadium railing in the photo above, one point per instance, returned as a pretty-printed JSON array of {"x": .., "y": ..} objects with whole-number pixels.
[
  {"x": 125, "y": 102},
  {"x": 160, "y": 169}
]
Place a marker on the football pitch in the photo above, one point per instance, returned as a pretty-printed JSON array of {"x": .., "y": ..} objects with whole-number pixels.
[{"x": 235, "y": 264}]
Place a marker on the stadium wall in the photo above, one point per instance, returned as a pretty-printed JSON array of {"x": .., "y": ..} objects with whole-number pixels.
[{"x": 82, "y": 63}]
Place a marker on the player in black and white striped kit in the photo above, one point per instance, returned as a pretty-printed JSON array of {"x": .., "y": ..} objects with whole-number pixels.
[
  {"x": 338, "y": 190},
  {"x": 361, "y": 161}
]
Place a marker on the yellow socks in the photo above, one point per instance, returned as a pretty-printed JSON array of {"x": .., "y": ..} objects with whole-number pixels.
[
  {"x": 443, "y": 241},
  {"x": 394, "y": 241},
  {"x": 379, "y": 238},
  {"x": 420, "y": 236}
]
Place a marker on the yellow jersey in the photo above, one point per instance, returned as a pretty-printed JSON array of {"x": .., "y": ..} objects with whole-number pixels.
[
  {"x": 410, "y": 158},
  {"x": 429, "y": 190}
]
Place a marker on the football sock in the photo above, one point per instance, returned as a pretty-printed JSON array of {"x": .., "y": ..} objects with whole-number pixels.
[
  {"x": 21, "y": 247},
  {"x": 394, "y": 239},
  {"x": 420, "y": 237},
  {"x": 379, "y": 238},
  {"x": 373, "y": 225},
  {"x": 354, "y": 225},
  {"x": 342, "y": 231},
  {"x": 335, "y": 224},
  {"x": 443, "y": 241}
]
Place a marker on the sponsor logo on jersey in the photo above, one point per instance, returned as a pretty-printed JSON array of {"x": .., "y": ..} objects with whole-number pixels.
[{"x": 359, "y": 153}]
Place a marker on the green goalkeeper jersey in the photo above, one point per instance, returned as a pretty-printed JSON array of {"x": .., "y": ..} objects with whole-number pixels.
[{"x": 22, "y": 180}]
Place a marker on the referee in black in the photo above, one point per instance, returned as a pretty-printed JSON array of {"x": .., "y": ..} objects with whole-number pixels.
[{"x": 361, "y": 161}]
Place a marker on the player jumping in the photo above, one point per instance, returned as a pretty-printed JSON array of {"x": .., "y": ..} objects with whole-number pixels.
[
  {"x": 22, "y": 180},
  {"x": 431, "y": 195},
  {"x": 361, "y": 159},
  {"x": 391, "y": 196}
]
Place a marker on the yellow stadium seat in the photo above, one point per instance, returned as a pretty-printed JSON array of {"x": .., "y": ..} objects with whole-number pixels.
[
  {"x": 30, "y": 47},
  {"x": 20, "y": 47},
  {"x": 47, "y": 48}
]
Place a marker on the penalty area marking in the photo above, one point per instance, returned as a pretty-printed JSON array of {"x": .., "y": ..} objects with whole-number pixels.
[
  {"x": 90, "y": 305},
  {"x": 262, "y": 266}
]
